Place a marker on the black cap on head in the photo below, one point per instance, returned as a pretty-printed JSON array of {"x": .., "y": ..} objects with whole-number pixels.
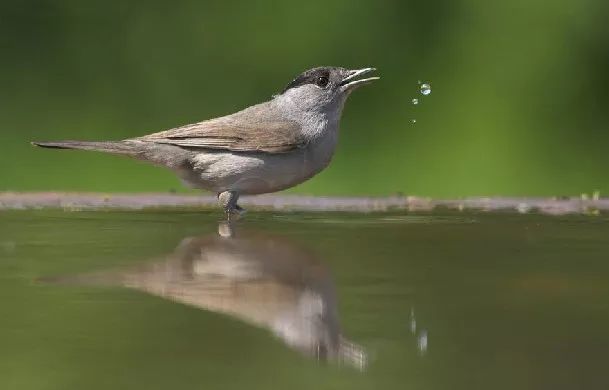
[{"x": 319, "y": 76}]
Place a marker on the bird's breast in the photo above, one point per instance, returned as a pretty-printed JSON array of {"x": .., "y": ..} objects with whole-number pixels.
[{"x": 320, "y": 151}]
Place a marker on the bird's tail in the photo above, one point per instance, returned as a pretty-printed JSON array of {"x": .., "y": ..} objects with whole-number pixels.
[{"x": 116, "y": 147}]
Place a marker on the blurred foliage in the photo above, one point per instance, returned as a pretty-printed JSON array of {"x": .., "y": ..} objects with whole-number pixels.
[{"x": 519, "y": 101}]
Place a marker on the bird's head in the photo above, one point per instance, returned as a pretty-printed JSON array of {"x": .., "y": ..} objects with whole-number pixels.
[{"x": 324, "y": 89}]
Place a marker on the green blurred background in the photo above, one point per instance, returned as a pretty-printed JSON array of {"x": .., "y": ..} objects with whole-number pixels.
[{"x": 519, "y": 103}]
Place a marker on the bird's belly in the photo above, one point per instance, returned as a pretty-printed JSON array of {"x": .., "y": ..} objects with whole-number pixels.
[{"x": 254, "y": 173}]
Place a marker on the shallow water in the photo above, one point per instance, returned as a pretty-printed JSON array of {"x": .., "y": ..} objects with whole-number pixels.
[{"x": 157, "y": 300}]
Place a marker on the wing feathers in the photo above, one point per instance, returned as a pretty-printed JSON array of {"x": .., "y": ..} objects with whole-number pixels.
[{"x": 270, "y": 136}]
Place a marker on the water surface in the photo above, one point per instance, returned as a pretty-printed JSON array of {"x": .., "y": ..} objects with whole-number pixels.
[{"x": 158, "y": 299}]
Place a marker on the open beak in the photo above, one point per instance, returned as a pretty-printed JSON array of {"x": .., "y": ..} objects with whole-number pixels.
[{"x": 352, "y": 80}]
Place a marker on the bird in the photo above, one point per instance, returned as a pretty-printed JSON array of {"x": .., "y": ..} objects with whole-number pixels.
[
  {"x": 264, "y": 148},
  {"x": 262, "y": 279}
]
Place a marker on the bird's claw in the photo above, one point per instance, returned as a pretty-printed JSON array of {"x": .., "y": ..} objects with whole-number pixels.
[{"x": 234, "y": 213}]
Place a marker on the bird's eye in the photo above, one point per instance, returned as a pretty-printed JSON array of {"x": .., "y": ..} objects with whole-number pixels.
[{"x": 322, "y": 81}]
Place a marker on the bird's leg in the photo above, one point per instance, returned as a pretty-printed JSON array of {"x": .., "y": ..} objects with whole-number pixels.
[
  {"x": 240, "y": 209},
  {"x": 228, "y": 201}
]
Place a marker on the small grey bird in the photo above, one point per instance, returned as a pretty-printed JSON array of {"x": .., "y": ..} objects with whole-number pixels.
[
  {"x": 264, "y": 148},
  {"x": 262, "y": 279}
]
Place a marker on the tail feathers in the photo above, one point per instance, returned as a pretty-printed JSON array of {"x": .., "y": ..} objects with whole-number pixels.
[{"x": 118, "y": 147}]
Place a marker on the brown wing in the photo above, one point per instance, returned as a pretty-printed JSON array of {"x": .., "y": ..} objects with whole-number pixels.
[{"x": 233, "y": 135}]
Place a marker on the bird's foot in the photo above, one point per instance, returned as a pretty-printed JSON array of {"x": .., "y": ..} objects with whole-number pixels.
[
  {"x": 228, "y": 201},
  {"x": 236, "y": 212}
]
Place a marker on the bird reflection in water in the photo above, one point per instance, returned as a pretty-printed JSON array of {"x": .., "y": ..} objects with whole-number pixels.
[{"x": 261, "y": 279}]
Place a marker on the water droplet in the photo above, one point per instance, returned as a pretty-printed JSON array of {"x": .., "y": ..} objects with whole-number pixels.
[
  {"x": 415, "y": 101},
  {"x": 413, "y": 121},
  {"x": 419, "y": 82},
  {"x": 425, "y": 89},
  {"x": 413, "y": 321},
  {"x": 422, "y": 342}
]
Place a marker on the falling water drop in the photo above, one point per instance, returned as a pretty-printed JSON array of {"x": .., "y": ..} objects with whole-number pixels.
[
  {"x": 422, "y": 342},
  {"x": 413, "y": 322},
  {"x": 413, "y": 121},
  {"x": 415, "y": 101},
  {"x": 425, "y": 89}
]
